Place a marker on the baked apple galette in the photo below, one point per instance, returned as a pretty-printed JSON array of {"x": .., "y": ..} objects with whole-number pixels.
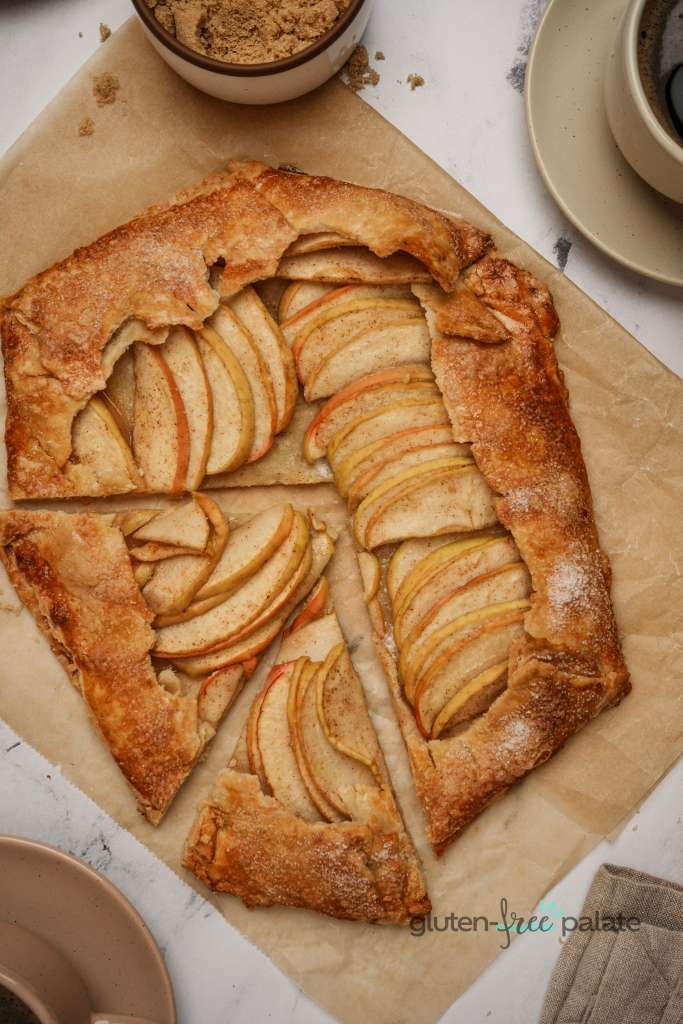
[{"x": 269, "y": 327}]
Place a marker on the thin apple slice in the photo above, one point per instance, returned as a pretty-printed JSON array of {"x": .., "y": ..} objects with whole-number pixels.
[
  {"x": 99, "y": 452},
  {"x": 248, "y": 548},
  {"x": 475, "y": 697},
  {"x": 276, "y": 354},
  {"x": 293, "y": 326},
  {"x": 468, "y": 658},
  {"x": 353, "y": 264},
  {"x": 343, "y": 713},
  {"x": 381, "y": 348},
  {"x": 218, "y": 693},
  {"x": 184, "y": 526},
  {"x": 314, "y": 607},
  {"x": 298, "y": 296},
  {"x": 380, "y": 388},
  {"x": 407, "y": 556},
  {"x": 218, "y": 626},
  {"x": 177, "y": 580},
  {"x": 297, "y": 691},
  {"x": 334, "y": 327},
  {"x": 365, "y": 458},
  {"x": 391, "y": 491},
  {"x": 251, "y": 737},
  {"x": 462, "y": 575},
  {"x": 143, "y": 572},
  {"x": 384, "y": 422},
  {"x": 421, "y": 659},
  {"x": 181, "y": 355},
  {"x": 232, "y": 437},
  {"x": 228, "y": 327},
  {"x": 161, "y": 439},
  {"x": 156, "y": 551},
  {"x": 120, "y": 392},
  {"x": 317, "y": 242},
  {"x": 393, "y": 467},
  {"x": 458, "y": 499},
  {"x": 459, "y": 559},
  {"x": 371, "y": 573},
  {"x": 315, "y": 640},
  {"x": 131, "y": 520}
]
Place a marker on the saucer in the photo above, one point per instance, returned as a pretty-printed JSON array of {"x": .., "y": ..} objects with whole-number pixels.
[
  {"x": 91, "y": 923},
  {"x": 574, "y": 148}
]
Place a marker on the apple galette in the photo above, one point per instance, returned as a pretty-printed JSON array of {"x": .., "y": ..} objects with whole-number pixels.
[
  {"x": 305, "y": 815},
  {"x": 271, "y": 327}
]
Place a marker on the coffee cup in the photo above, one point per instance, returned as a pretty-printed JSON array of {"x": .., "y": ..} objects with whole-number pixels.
[
  {"x": 638, "y": 108},
  {"x": 41, "y": 986}
]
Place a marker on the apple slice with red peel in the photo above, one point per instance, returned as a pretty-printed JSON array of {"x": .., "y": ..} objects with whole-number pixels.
[
  {"x": 318, "y": 241},
  {"x": 229, "y": 329},
  {"x": 253, "y": 752},
  {"x": 276, "y": 753},
  {"x": 100, "y": 454},
  {"x": 299, "y": 296},
  {"x": 276, "y": 354},
  {"x": 297, "y": 691},
  {"x": 315, "y": 607},
  {"x": 293, "y": 325},
  {"x": 473, "y": 699},
  {"x": 314, "y": 640},
  {"x": 381, "y": 472},
  {"x": 353, "y": 263},
  {"x": 370, "y": 572},
  {"x": 469, "y": 657},
  {"x": 184, "y": 526},
  {"x": 232, "y": 436},
  {"x": 376, "y": 389},
  {"x": 161, "y": 439},
  {"x": 217, "y": 694},
  {"x": 343, "y": 714},
  {"x": 359, "y": 462},
  {"x": 249, "y": 546},
  {"x": 181, "y": 355},
  {"x": 380, "y": 348},
  {"x": 384, "y": 422},
  {"x": 120, "y": 393}
]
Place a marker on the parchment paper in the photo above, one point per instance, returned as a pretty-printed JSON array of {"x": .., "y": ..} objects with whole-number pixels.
[{"x": 58, "y": 190}]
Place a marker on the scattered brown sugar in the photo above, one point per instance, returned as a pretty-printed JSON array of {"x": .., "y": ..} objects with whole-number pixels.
[
  {"x": 247, "y": 31},
  {"x": 105, "y": 88},
  {"x": 105, "y": 32},
  {"x": 379, "y": 55},
  {"x": 87, "y": 126},
  {"x": 359, "y": 73},
  {"x": 416, "y": 81}
]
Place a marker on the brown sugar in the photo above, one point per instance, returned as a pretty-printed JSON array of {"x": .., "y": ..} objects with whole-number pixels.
[
  {"x": 105, "y": 32},
  {"x": 416, "y": 81},
  {"x": 87, "y": 126},
  {"x": 247, "y": 31},
  {"x": 105, "y": 88},
  {"x": 359, "y": 73}
]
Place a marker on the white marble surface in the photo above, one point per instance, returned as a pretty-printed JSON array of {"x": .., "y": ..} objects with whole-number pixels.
[{"x": 469, "y": 117}]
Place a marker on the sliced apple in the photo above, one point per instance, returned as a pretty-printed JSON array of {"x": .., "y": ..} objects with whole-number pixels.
[
  {"x": 461, "y": 558},
  {"x": 407, "y": 556},
  {"x": 177, "y": 580},
  {"x": 423, "y": 656},
  {"x": 298, "y": 296},
  {"x": 181, "y": 355},
  {"x": 314, "y": 608},
  {"x": 365, "y": 458},
  {"x": 343, "y": 713},
  {"x": 161, "y": 439},
  {"x": 100, "y": 452},
  {"x": 293, "y": 326},
  {"x": 384, "y": 422},
  {"x": 156, "y": 551},
  {"x": 276, "y": 354},
  {"x": 184, "y": 526},
  {"x": 314, "y": 640},
  {"x": 469, "y": 657},
  {"x": 317, "y": 241},
  {"x": 353, "y": 264},
  {"x": 370, "y": 572},
  {"x": 218, "y": 626},
  {"x": 394, "y": 343},
  {"x": 297, "y": 691},
  {"x": 475, "y": 574},
  {"x": 143, "y": 572},
  {"x": 228, "y": 327},
  {"x": 232, "y": 437},
  {"x": 438, "y": 502},
  {"x": 248, "y": 548},
  {"x": 120, "y": 392},
  {"x": 131, "y": 520},
  {"x": 253, "y": 752},
  {"x": 270, "y": 292},
  {"x": 475, "y": 697},
  {"x": 277, "y": 757},
  {"x": 382, "y": 472},
  {"x": 380, "y": 388},
  {"x": 218, "y": 692}
]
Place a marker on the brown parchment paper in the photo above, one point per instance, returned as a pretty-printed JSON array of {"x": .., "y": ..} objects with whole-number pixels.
[{"x": 59, "y": 190}]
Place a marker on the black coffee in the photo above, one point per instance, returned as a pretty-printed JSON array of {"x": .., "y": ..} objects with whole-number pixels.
[
  {"x": 660, "y": 62},
  {"x": 13, "y": 1010}
]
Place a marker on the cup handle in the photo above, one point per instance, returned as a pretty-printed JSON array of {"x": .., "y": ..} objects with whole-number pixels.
[{"x": 118, "y": 1018}]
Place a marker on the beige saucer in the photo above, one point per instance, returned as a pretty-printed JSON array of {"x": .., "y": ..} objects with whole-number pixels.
[
  {"x": 89, "y": 922},
  {"x": 574, "y": 148}
]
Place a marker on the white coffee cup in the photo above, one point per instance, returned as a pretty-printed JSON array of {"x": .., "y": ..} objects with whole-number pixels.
[{"x": 645, "y": 144}]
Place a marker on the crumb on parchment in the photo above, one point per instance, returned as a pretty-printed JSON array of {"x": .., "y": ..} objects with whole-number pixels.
[
  {"x": 358, "y": 70},
  {"x": 105, "y": 88},
  {"x": 105, "y": 32},
  {"x": 379, "y": 55},
  {"x": 87, "y": 126},
  {"x": 415, "y": 81}
]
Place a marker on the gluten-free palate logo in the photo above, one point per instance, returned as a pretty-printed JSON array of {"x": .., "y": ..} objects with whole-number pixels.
[{"x": 547, "y": 918}]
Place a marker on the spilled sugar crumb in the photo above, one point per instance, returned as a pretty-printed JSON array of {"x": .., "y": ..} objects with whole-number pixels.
[
  {"x": 87, "y": 126},
  {"x": 379, "y": 55},
  {"x": 415, "y": 81},
  {"x": 105, "y": 88},
  {"x": 105, "y": 32},
  {"x": 358, "y": 71}
]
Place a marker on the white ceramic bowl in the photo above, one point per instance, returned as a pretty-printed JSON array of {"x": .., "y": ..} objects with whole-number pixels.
[{"x": 262, "y": 83}]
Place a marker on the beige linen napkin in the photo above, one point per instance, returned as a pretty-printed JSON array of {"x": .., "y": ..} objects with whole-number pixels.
[{"x": 626, "y": 967}]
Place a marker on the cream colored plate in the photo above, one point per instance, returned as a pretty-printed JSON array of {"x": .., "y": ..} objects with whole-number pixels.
[{"x": 574, "y": 148}]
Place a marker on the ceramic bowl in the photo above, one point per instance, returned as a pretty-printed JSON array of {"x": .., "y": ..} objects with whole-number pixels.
[{"x": 262, "y": 83}]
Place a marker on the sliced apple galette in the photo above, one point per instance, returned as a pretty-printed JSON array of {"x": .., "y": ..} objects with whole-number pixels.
[
  {"x": 159, "y": 616},
  {"x": 305, "y": 815}
]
